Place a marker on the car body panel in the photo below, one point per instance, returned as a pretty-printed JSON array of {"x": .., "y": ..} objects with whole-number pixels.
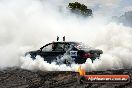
[{"x": 57, "y": 49}]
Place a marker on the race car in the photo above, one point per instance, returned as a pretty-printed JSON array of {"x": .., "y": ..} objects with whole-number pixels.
[{"x": 66, "y": 52}]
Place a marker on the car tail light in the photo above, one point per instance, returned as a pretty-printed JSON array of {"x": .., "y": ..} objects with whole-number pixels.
[{"x": 87, "y": 55}]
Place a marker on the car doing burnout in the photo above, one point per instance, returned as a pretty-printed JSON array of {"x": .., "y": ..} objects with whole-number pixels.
[{"x": 77, "y": 50}]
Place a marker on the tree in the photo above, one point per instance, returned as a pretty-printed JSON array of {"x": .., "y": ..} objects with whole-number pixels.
[{"x": 80, "y": 9}]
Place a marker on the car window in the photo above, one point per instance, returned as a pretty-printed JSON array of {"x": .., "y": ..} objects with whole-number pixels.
[
  {"x": 59, "y": 47},
  {"x": 47, "y": 48},
  {"x": 66, "y": 47},
  {"x": 56, "y": 47}
]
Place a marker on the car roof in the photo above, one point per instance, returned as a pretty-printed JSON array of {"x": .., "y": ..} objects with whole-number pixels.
[
  {"x": 62, "y": 42},
  {"x": 70, "y": 42}
]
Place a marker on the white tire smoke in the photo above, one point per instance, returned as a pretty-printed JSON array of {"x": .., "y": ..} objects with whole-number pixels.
[{"x": 28, "y": 25}]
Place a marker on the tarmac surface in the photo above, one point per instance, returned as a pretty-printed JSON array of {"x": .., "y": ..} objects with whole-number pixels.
[{"x": 20, "y": 78}]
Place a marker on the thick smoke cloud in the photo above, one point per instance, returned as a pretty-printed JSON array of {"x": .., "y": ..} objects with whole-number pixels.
[
  {"x": 115, "y": 40},
  {"x": 28, "y": 25}
]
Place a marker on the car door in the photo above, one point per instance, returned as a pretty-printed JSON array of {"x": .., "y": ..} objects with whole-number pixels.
[
  {"x": 51, "y": 51},
  {"x": 46, "y": 52}
]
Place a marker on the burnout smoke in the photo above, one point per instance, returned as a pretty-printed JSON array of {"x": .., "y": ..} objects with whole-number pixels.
[{"x": 29, "y": 24}]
